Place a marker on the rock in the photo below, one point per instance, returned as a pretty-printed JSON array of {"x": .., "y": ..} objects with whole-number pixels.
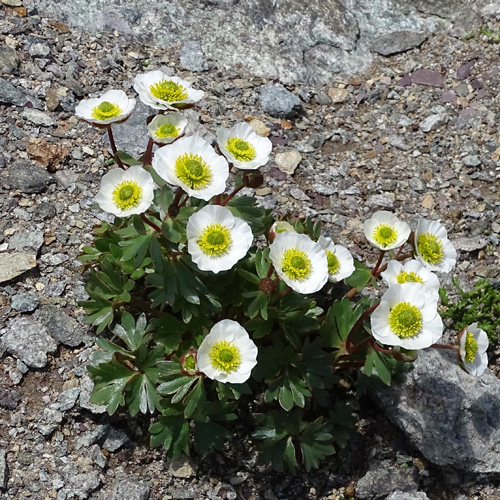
[
  {"x": 463, "y": 71},
  {"x": 14, "y": 264},
  {"x": 322, "y": 99},
  {"x": 86, "y": 387},
  {"x": 338, "y": 95},
  {"x": 4, "y": 471},
  {"x": 91, "y": 437},
  {"x": 130, "y": 490},
  {"x": 24, "y": 302},
  {"x": 27, "y": 178},
  {"x": 383, "y": 478},
  {"x": 39, "y": 50},
  {"x": 38, "y": 117},
  {"x": 62, "y": 327},
  {"x": 288, "y": 161},
  {"x": 12, "y": 3},
  {"x": 397, "y": 42},
  {"x": 8, "y": 59},
  {"x": 471, "y": 161},
  {"x": 259, "y": 127},
  {"x": 26, "y": 241},
  {"x": 67, "y": 399},
  {"x": 405, "y": 495},
  {"x": 279, "y": 102},
  {"x": 182, "y": 468},
  {"x": 11, "y": 95},
  {"x": 115, "y": 439},
  {"x": 433, "y": 122},
  {"x": 491, "y": 12},
  {"x": 470, "y": 243},
  {"x": 45, "y": 210},
  {"x": 84, "y": 483},
  {"x": 398, "y": 142},
  {"x": 29, "y": 341},
  {"x": 192, "y": 57},
  {"x": 427, "y": 77},
  {"x": 45, "y": 153},
  {"x": 405, "y": 81},
  {"x": 450, "y": 416},
  {"x": 98, "y": 456},
  {"x": 9, "y": 399}
]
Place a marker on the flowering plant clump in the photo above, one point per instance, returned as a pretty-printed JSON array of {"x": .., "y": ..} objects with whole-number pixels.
[{"x": 207, "y": 305}]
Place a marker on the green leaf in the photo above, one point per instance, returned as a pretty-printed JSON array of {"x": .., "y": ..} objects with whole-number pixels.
[
  {"x": 285, "y": 398},
  {"x": 127, "y": 159},
  {"x": 209, "y": 436},
  {"x": 173, "y": 433},
  {"x": 173, "y": 230},
  {"x": 174, "y": 384},
  {"x": 359, "y": 278}
]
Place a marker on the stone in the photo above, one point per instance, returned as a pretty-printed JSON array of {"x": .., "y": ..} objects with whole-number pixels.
[
  {"x": 91, "y": 437},
  {"x": 383, "y": 478},
  {"x": 27, "y": 178},
  {"x": 130, "y": 490},
  {"x": 38, "y": 117},
  {"x": 398, "y": 42},
  {"x": 11, "y": 95},
  {"x": 12, "y": 3},
  {"x": 338, "y": 95},
  {"x": 288, "y": 161},
  {"x": 470, "y": 243},
  {"x": 4, "y": 471},
  {"x": 39, "y": 50},
  {"x": 408, "y": 495},
  {"x": 115, "y": 439},
  {"x": 98, "y": 456},
  {"x": 433, "y": 122},
  {"x": 62, "y": 327},
  {"x": 24, "y": 302},
  {"x": 427, "y": 77},
  {"x": 471, "y": 161},
  {"x": 84, "y": 483},
  {"x": 259, "y": 127},
  {"x": 463, "y": 71},
  {"x": 192, "y": 57},
  {"x": 398, "y": 142},
  {"x": 491, "y": 12},
  {"x": 32, "y": 240},
  {"x": 86, "y": 387},
  {"x": 45, "y": 153},
  {"x": 28, "y": 340},
  {"x": 9, "y": 399},
  {"x": 452, "y": 417},
  {"x": 182, "y": 468},
  {"x": 14, "y": 264},
  {"x": 67, "y": 399},
  {"x": 322, "y": 99},
  {"x": 9, "y": 61},
  {"x": 279, "y": 102}
]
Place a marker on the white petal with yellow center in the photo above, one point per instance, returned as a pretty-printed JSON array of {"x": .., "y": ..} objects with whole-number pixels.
[
  {"x": 385, "y": 231},
  {"x": 411, "y": 271},
  {"x": 473, "y": 346},
  {"x": 340, "y": 260},
  {"x": 165, "y": 129},
  {"x": 112, "y": 106}
]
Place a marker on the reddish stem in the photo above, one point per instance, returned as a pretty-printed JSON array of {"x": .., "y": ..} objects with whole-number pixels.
[
  {"x": 230, "y": 196},
  {"x": 357, "y": 326},
  {"x": 377, "y": 265},
  {"x": 150, "y": 223},
  {"x": 113, "y": 148},
  {"x": 445, "y": 346},
  {"x": 148, "y": 155}
]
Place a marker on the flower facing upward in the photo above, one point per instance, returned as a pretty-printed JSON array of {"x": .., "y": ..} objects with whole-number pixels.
[
  {"x": 299, "y": 262},
  {"x": 160, "y": 91},
  {"x": 227, "y": 353},
  {"x": 340, "y": 261},
  {"x": 126, "y": 192},
  {"x": 473, "y": 346},
  {"x": 385, "y": 231},
  {"x": 192, "y": 164},
  {"x": 112, "y": 106},
  {"x": 407, "y": 317},
  {"x": 412, "y": 271},
  {"x": 164, "y": 129},
  {"x": 217, "y": 239},
  {"x": 243, "y": 147},
  {"x": 433, "y": 248}
]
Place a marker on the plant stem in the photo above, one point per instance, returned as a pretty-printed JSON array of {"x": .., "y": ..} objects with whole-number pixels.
[
  {"x": 377, "y": 265},
  {"x": 446, "y": 346},
  {"x": 173, "y": 209},
  {"x": 113, "y": 148},
  {"x": 150, "y": 223},
  {"x": 148, "y": 155},
  {"x": 357, "y": 326},
  {"x": 230, "y": 196}
]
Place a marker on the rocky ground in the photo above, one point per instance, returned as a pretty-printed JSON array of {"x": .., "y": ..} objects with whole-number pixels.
[{"x": 417, "y": 135}]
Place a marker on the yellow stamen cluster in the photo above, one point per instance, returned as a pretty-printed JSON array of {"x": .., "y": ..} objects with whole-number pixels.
[
  {"x": 430, "y": 248},
  {"x": 127, "y": 195},
  {"x": 405, "y": 320},
  {"x": 385, "y": 235},
  {"x": 167, "y": 130},
  {"x": 470, "y": 348},
  {"x": 193, "y": 171},
  {"x": 105, "y": 111},
  {"x": 411, "y": 277},
  {"x": 225, "y": 356},
  {"x": 241, "y": 150},
  {"x": 169, "y": 91},
  {"x": 296, "y": 264},
  {"x": 333, "y": 262},
  {"x": 215, "y": 240}
]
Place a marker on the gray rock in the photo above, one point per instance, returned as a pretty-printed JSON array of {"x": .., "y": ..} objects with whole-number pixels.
[
  {"x": 433, "y": 122},
  {"x": 192, "y": 57},
  {"x": 397, "y": 42},
  {"x": 27, "y": 178},
  {"x": 91, "y": 437},
  {"x": 98, "y": 456},
  {"x": 398, "y": 142},
  {"x": 471, "y": 161},
  {"x": 26, "y": 241},
  {"x": 491, "y": 12},
  {"x": 8, "y": 59},
  {"x": 24, "y": 302},
  {"x": 322, "y": 98},
  {"x": 131, "y": 490},
  {"x": 9, "y": 399},
  {"x": 4, "y": 471},
  {"x": 29, "y": 341},
  {"x": 14, "y": 264},
  {"x": 405, "y": 495},
  {"x": 67, "y": 399},
  {"x": 86, "y": 387},
  {"x": 11, "y": 95},
  {"x": 464, "y": 70},
  {"x": 452, "y": 417},
  {"x": 38, "y": 117},
  {"x": 115, "y": 439},
  {"x": 470, "y": 243},
  {"x": 84, "y": 483},
  {"x": 45, "y": 210},
  {"x": 383, "y": 478},
  {"x": 279, "y": 102},
  {"x": 427, "y": 77},
  {"x": 39, "y": 50}
]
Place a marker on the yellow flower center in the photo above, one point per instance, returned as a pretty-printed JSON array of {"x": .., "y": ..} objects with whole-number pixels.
[
  {"x": 333, "y": 262},
  {"x": 169, "y": 91},
  {"x": 411, "y": 277},
  {"x": 167, "y": 130},
  {"x": 240, "y": 149},
  {"x": 430, "y": 248},
  {"x": 385, "y": 235},
  {"x": 225, "y": 356},
  {"x": 296, "y": 264},
  {"x": 215, "y": 240},
  {"x": 470, "y": 348},
  {"x": 105, "y": 111},
  {"x": 405, "y": 320},
  {"x": 126, "y": 195},
  {"x": 193, "y": 171}
]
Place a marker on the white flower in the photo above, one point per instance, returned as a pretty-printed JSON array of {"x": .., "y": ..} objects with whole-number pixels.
[
  {"x": 126, "y": 192},
  {"x": 243, "y": 147},
  {"x": 160, "y": 91},
  {"x": 433, "y": 247},
  {"x": 113, "y": 106},
  {"x": 299, "y": 261},
  {"x": 473, "y": 346},
  {"x": 217, "y": 239},
  {"x": 411, "y": 272},
  {"x": 340, "y": 261},
  {"x": 407, "y": 317},
  {"x": 192, "y": 164},
  {"x": 385, "y": 231},
  {"x": 227, "y": 353},
  {"x": 164, "y": 129}
]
